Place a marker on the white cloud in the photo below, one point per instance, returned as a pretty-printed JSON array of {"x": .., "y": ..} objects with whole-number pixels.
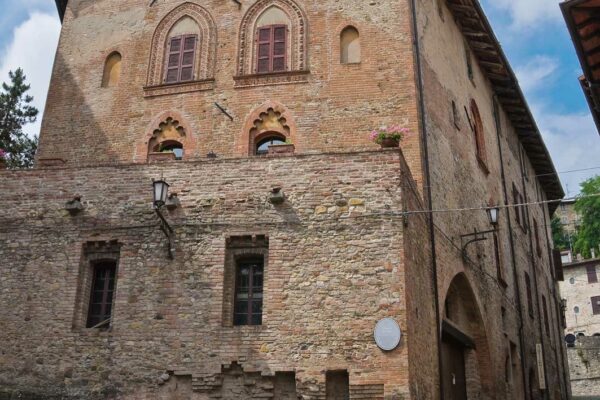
[
  {"x": 573, "y": 142},
  {"x": 536, "y": 72},
  {"x": 527, "y": 14},
  {"x": 33, "y": 48}
]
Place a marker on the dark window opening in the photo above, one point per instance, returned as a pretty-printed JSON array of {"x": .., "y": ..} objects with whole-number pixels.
[
  {"x": 469, "y": 61},
  {"x": 479, "y": 136},
  {"x": 537, "y": 238},
  {"x": 546, "y": 317},
  {"x": 285, "y": 386},
  {"x": 101, "y": 297},
  {"x": 262, "y": 147},
  {"x": 591, "y": 274},
  {"x": 172, "y": 147},
  {"x": 272, "y": 49},
  {"x": 529, "y": 296},
  {"x": 337, "y": 385},
  {"x": 248, "y": 292},
  {"x": 180, "y": 59},
  {"x": 596, "y": 305}
]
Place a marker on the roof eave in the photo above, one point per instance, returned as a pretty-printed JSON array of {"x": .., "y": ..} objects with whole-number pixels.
[{"x": 61, "y": 6}]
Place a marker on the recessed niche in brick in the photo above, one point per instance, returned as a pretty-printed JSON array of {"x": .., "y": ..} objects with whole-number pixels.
[
  {"x": 96, "y": 284},
  {"x": 246, "y": 261},
  {"x": 337, "y": 385},
  {"x": 285, "y": 386}
]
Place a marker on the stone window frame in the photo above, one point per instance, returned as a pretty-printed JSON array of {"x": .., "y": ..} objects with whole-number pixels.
[
  {"x": 240, "y": 247},
  {"x": 93, "y": 252},
  {"x": 206, "y": 49},
  {"x": 297, "y": 62}
]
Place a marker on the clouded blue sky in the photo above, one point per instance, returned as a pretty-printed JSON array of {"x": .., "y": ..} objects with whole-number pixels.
[{"x": 532, "y": 33}]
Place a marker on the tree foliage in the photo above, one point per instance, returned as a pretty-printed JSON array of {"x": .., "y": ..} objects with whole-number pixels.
[
  {"x": 588, "y": 208},
  {"x": 559, "y": 236},
  {"x": 16, "y": 111}
]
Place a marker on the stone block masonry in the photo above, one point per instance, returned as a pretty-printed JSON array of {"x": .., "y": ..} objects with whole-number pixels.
[{"x": 335, "y": 266}]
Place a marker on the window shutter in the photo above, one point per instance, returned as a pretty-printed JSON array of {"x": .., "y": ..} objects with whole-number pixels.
[
  {"x": 187, "y": 58},
  {"x": 591, "y": 274},
  {"x": 596, "y": 305},
  {"x": 558, "y": 268},
  {"x": 279, "y": 47},
  {"x": 173, "y": 60},
  {"x": 264, "y": 50}
]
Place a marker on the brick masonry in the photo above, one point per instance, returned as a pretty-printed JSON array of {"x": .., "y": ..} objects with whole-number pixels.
[{"x": 584, "y": 364}]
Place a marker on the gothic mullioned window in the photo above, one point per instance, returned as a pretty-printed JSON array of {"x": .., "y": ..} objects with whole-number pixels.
[
  {"x": 272, "y": 38},
  {"x": 183, "y": 50}
]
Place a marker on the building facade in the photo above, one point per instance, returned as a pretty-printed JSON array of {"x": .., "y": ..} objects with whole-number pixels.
[
  {"x": 581, "y": 291},
  {"x": 292, "y": 234}
]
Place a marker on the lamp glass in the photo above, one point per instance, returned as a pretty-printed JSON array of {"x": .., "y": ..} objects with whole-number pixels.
[
  {"x": 161, "y": 190},
  {"x": 493, "y": 215}
]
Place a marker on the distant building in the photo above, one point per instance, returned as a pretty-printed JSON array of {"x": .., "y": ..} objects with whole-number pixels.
[{"x": 581, "y": 290}]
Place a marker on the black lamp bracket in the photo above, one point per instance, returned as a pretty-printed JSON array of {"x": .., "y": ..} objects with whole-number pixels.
[
  {"x": 167, "y": 230},
  {"x": 474, "y": 238}
]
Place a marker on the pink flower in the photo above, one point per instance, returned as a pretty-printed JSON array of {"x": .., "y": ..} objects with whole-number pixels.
[{"x": 2, "y": 153}]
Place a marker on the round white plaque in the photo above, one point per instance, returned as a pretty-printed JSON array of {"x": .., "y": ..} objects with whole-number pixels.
[{"x": 387, "y": 334}]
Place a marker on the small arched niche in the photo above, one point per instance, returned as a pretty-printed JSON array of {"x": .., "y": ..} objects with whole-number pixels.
[
  {"x": 350, "y": 46},
  {"x": 112, "y": 70}
]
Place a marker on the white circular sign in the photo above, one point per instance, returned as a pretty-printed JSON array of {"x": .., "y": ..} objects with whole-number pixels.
[{"x": 387, "y": 334}]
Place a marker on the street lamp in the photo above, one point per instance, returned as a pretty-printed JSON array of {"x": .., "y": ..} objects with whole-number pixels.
[
  {"x": 493, "y": 214},
  {"x": 160, "y": 191}
]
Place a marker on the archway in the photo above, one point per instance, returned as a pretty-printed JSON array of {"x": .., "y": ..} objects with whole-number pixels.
[{"x": 466, "y": 363}]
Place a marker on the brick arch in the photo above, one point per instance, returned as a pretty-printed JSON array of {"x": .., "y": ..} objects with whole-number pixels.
[
  {"x": 298, "y": 35},
  {"x": 250, "y": 134},
  {"x": 207, "y": 44},
  {"x": 464, "y": 305},
  {"x": 188, "y": 139}
]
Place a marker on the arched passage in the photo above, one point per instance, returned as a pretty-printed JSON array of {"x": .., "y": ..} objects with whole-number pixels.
[{"x": 466, "y": 363}]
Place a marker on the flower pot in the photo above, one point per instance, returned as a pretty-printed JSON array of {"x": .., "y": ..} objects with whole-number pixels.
[
  {"x": 277, "y": 149},
  {"x": 389, "y": 143},
  {"x": 161, "y": 156}
]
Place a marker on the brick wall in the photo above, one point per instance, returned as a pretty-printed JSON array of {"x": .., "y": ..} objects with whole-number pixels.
[{"x": 335, "y": 267}]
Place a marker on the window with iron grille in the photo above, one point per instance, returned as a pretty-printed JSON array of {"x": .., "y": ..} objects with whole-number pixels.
[
  {"x": 101, "y": 296},
  {"x": 248, "y": 292},
  {"x": 591, "y": 274},
  {"x": 180, "y": 59},
  {"x": 272, "y": 49}
]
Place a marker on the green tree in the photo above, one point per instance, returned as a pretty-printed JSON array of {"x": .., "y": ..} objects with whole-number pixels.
[
  {"x": 559, "y": 236},
  {"x": 588, "y": 208},
  {"x": 16, "y": 111}
]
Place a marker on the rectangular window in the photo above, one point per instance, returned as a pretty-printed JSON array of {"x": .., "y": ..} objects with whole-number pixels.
[
  {"x": 591, "y": 274},
  {"x": 180, "y": 59},
  {"x": 469, "y": 61},
  {"x": 272, "y": 49},
  {"x": 537, "y": 238},
  {"x": 248, "y": 292},
  {"x": 529, "y": 296},
  {"x": 101, "y": 296},
  {"x": 337, "y": 385},
  {"x": 520, "y": 208},
  {"x": 546, "y": 320},
  {"x": 517, "y": 209},
  {"x": 596, "y": 305},
  {"x": 498, "y": 260}
]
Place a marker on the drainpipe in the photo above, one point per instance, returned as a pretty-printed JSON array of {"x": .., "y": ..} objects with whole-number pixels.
[
  {"x": 512, "y": 250},
  {"x": 428, "y": 190}
]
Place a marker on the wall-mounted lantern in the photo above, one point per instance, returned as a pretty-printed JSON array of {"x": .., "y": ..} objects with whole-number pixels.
[
  {"x": 493, "y": 214},
  {"x": 160, "y": 191}
]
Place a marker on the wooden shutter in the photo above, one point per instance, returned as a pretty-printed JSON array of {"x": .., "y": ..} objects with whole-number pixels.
[
  {"x": 272, "y": 49},
  {"x": 264, "y": 50},
  {"x": 558, "y": 268},
  {"x": 173, "y": 60},
  {"x": 591, "y": 274},
  {"x": 181, "y": 59},
  {"x": 279, "y": 48},
  {"x": 596, "y": 305}
]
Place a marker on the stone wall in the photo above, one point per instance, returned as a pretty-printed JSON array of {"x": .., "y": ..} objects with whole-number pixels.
[
  {"x": 579, "y": 291},
  {"x": 335, "y": 266},
  {"x": 460, "y": 180},
  {"x": 584, "y": 366}
]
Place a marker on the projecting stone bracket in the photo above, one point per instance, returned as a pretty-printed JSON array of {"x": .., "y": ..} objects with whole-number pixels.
[{"x": 74, "y": 206}]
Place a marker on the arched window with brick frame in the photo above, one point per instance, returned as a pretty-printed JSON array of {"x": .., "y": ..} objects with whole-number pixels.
[
  {"x": 478, "y": 131},
  {"x": 272, "y": 38},
  {"x": 183, "y": 47}
]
